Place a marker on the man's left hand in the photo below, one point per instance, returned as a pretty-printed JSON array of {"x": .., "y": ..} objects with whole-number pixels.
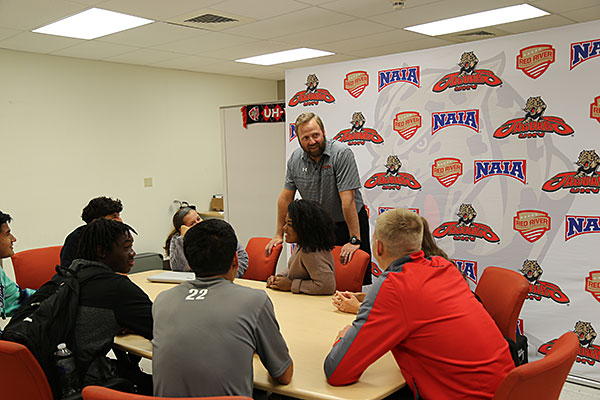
[{"x": 347, "y": 251}]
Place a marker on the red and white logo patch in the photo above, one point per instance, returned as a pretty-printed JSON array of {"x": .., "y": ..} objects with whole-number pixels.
[
  {"x": 447, "y": 170},
  {"x": 356, "y": 82},
  {"x": 531, "y": 224},
  {"x": 535, "y": 60},
  {"x": 407, "y": 123},
  {"x": 592, "y": 284},
  {"x": 595, "y": 109}
]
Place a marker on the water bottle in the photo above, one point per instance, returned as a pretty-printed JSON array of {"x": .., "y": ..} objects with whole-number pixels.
[{"x": 66, "y": 366}]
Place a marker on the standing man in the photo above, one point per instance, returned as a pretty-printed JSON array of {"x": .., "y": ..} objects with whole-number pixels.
[
  {"x": 325, "y": 171},
  {"x": 421, "y": 309}
]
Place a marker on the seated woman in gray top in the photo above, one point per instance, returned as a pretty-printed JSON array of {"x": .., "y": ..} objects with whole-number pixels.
[
  {"x": 183, "y": 220},
  {"x": 311, "y": 267}
]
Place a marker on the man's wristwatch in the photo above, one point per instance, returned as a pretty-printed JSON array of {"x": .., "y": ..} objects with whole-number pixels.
[{"x": 355, "y": 240}]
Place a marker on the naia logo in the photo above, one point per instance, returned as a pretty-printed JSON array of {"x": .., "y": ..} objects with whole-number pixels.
[
  {"x": 358, "y": 134},
  {"x": 465, "y": 229},
  {"x": 468, "y": 77},
  {"x": 407, "y": 123},
  {"x": 447, "y": 170},
  {"x": 356, "y": 82},
  {"x": 583, "y": 51},
  {"x": 533, "y": 124},
  {"x": 512, "y": 168},
  {"x": 592, "y": 284},
  {"x": 393, "y": 179},
  {"x": 588, "y": 353},
  {"x": 468, "y": 118},
  {"x": 292, "y": 132},
  {"x": 410, "y": 75},
  {"x": 531, "y": 224},
  {"x": 583, "y": 181},
  {"x": 469, "y": 268},
  {"x": 541, "y": 289},
  {"x": 535, "y": 60},
  {"x": 312, "y": 95},
  {"x": 595, "y": 109},
  {"x": 381, "y": 210},
  {"x": 576, "y": 225}
]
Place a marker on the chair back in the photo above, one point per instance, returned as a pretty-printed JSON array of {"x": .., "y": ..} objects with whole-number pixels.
[
  {"x": 260, "y": 267},
  {"x": 541, "y": 379},
  {"x": 35, "y": 267},
  {"x": 102, "y": 393},
  {"x": 21, "y": 377},
  {"x": 350, "y": 277},
  {"x": 502, "y": 292},
  {"x": 146, "y": 262}
]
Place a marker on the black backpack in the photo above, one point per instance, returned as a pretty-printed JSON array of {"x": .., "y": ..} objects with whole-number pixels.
[{"x": 48, "y": 317}]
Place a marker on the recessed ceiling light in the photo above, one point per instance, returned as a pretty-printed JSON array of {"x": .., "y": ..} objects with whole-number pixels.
[
  {"x": 92, "y": 24},
  {"x": 285, "y": 56},
  {"x": 478, "y": 20}
]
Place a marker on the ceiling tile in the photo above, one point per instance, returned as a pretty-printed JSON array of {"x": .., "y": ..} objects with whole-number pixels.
[
  {"x": 255, "y": 48},
  {"x": 32, "y": 14},
  {"x": 37, "y": 42},
  {"x": 584, "y": 15},
  {"x": 185, "y": 62},
  {"x": 143, "y": 57},
  {"x": 534, "y": 24},
  {"x": 150, "y": 35},
  {"x": 403, "y": 47},
  {"x": 6, "y": 33},
  {"x": 360, "y": 8},
  {"x": 351, "y": 46},
  {"x": 156, "y": 9},
  {"x": 259, "y": 9},
  {"x": 93, "y": 50},
  {"x": 317, "y": 61},
  {"x": 204, "y": 41},
  {"x": 561, "y": 6}
]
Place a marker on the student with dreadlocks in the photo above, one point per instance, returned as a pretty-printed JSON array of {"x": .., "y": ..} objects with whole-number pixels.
[{"x": 109, "y": 304}]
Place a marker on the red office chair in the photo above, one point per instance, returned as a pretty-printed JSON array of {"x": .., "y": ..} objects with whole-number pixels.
[
  {"x": 35, "y": 267},
  {"x": 102, "y": 393},
  {"x": 260, "y": 267},
  {"x": 350, "y": 277},
  {"x": 21, "y": 377},
  {"x": 542, "y": 379},
  {"x": 502, "y": 292}
]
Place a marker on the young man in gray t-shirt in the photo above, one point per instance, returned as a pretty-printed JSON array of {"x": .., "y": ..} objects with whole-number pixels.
[{"x": 206, "y": 331}]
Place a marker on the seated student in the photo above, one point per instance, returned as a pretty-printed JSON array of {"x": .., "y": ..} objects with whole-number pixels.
[
  {"x": 100, "y": 207},
  {"x": 207, "y": 330},
  {"x": 421, "y": 309},
  {"x": 349, "y": 301},
  {"x": 11, "y": 295},
  {"x": 109, "y": 303},
  {"x": 311, "y": 267},
  {"x": 183, "y": 220}
]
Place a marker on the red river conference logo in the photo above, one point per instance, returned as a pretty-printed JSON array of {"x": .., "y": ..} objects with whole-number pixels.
[
  {"x": 393, "y": 179},
  {"x": 468, "y": 77},
  {"x": 465, "y": 229},
  {"x": 577, "y": 225},
  {"x": 588, "y": 353},
  {"x": 583, "y": 181},
  {"x": 358, "y": 134},
  {"x": 583, "y": 51},
  {"x": 512, "y": 168},
  {"x": 595, "y": 109},
  {"x": 312, "y": 95},
  {"x": 535, "y": 60},
  {"x": 407, "y": 123},
  {"x": 447, "y": 170},
  {"x": 531, "y": 224},
  {"x": 592, "y": 284},
  {"x": 444, "y": 119},
  {"x": 534, "y": 124},
  {"x": 540, "y": 289},
  {"x": 410, "y": 75},
  {"x": 356, "y": 82},
  {"x": 467, "y": 267}
]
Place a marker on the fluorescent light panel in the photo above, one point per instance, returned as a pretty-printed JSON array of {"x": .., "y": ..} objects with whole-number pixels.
[
  {"x": 92, "y": 24},
  {"x": 285, "y": 56},
  {"x": 478, "y": 20}
]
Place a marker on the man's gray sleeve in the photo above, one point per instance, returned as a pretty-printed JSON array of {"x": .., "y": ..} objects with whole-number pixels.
[
  {"x": 242, "y": 261},
  {"x": 270, "y": 345},
  {"x": 346, "y": 171},
  {"x": 289, "y": 176}
]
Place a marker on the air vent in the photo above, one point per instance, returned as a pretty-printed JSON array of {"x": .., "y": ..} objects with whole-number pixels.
[
  {"x": 210, "y": 19},
  {"x": 478, "y": 33}
]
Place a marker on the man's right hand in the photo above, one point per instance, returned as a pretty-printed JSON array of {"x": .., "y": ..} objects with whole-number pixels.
[{"x": 276, "y": 241}]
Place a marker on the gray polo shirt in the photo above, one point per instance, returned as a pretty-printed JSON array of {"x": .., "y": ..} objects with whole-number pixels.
[
  {"x": 206, "y": 332},
  {"x": 335, "y": 172}
]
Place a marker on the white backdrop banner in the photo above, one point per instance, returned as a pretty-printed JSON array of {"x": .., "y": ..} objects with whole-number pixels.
[{"x": 496, "y": 143}]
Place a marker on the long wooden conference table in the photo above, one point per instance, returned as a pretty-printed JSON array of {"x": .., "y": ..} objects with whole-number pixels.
[{"x": 309, "y": 325}]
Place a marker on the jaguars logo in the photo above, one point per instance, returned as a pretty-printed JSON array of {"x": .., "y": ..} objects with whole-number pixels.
[
  {"x": 358, "y": 121},
  {"x": 311, "y": 83},
  {"x": 466, "y": 214},
  {"x": 468, "y": 62},
  {"x": 588, "y": 163},
  {"x": 585, "y": 333},
  {"x": 534, "y": 108},
  {"x": 393, "y": 165},
  {"x": 532, "y": 271}
]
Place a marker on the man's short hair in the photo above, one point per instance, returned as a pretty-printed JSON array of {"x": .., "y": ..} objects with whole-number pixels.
[
  {"x": 305, "y": 118},
  {"x": 400, "y": 230},
  {"x": 209, "y": 247},
  {"x": 100, "y": 234},
  {"x": 4, "y": 218},
  {"x": 100, "y": 207}
]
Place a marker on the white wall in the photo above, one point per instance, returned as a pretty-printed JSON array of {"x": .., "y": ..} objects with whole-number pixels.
[{"x": 73, "y": 129}]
